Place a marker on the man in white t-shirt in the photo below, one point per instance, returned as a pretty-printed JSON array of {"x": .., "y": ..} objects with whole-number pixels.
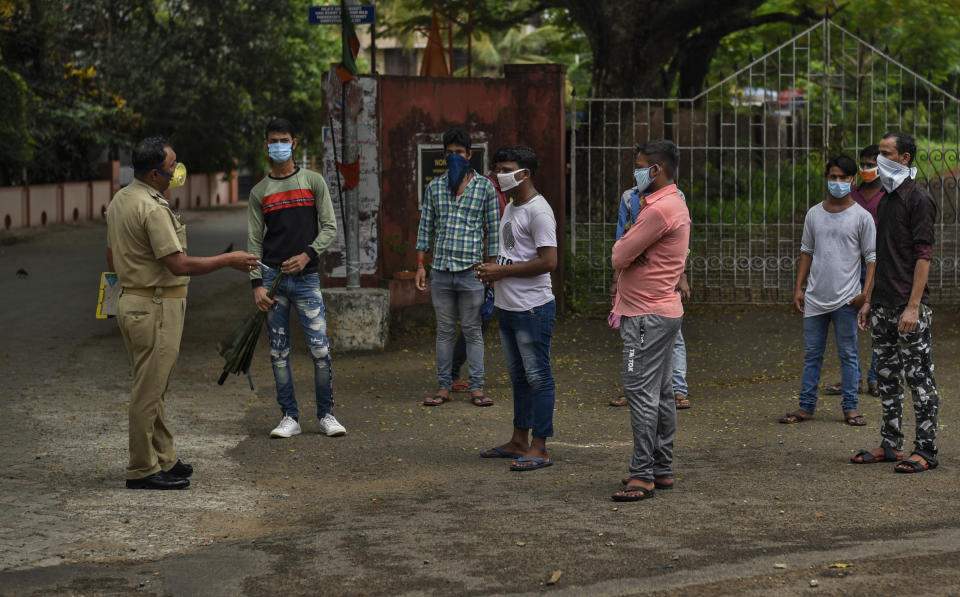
[{"x": 524, "y": 297}]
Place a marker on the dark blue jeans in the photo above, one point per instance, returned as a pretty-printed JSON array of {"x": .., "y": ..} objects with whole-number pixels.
[
  {"x": 815, "y": 341},
  {"x": 304, "y": 293},
  {"x": 526, "y": 336}
]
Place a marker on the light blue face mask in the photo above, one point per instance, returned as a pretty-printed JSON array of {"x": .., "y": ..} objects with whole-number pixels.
[
  {"x": 838, "y": 189},
  {"x": 643, "y": 178},
  {"x": 280, "y": 152}
]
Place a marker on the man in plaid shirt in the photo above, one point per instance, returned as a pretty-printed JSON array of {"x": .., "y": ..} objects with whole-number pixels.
[{"x": 460, "y": 218}]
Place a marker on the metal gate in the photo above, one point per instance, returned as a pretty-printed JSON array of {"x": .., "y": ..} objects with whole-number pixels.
[{"x": 753, "y": 150}]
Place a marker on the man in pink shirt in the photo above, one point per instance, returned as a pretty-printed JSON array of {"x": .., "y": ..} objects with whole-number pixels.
[{"x": 650, "y": 260}]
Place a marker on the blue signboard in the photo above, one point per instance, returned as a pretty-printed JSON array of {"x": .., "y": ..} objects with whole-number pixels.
[{"x": 330, "y": 15}]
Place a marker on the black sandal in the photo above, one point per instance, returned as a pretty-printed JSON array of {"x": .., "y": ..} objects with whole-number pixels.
[
  {"x": 644, "y": 494},
  {"x": 914, "y": 466},
  {"x": 867, "y": 457},
  {"x": 438, "y": 399},
  {"x": 794, "y": 418},
  {"x": 855, "y": 420},
  {"x": 481, "y": 400}
]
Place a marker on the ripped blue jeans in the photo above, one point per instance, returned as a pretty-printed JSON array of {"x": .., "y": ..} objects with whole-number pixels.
[{"x": 304, "y": 293}]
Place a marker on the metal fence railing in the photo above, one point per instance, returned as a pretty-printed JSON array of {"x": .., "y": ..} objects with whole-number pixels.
[{"x": 753, "y": 149}]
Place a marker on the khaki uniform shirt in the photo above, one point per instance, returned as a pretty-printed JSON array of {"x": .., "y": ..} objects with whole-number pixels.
[{"x": 141, "y": 230}]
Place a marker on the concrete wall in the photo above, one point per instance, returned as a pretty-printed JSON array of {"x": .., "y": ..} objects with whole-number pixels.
[
  {"x": 13, "y": 207},
  {"x": 68, "y": 202},
  {"x": 76, "y": 201},
  {"x": 100, "y": 197},
  {"x": 44, "y": 204}
]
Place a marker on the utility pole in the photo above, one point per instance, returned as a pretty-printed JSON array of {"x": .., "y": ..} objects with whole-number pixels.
[{"x": 351, "y": 154}]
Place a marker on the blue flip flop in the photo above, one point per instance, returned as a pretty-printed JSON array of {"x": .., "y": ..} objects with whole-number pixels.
[
  {"x": 500, "y": 453},
  {"x": 539, "y": 463}
]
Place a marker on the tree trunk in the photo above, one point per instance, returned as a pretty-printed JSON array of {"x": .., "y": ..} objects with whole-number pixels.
[{"x": 642, "y": 48}]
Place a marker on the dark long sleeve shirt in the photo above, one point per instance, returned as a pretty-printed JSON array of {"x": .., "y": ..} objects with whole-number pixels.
[{"x": 905, "y": 233}]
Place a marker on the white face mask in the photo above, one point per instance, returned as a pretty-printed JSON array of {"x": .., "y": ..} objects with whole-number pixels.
[
  {"x": 508, "y": 181},
  {"x": 892, "y": 174}
]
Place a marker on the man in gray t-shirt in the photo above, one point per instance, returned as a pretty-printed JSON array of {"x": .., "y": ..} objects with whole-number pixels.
[{"x": 837, "y": 233}]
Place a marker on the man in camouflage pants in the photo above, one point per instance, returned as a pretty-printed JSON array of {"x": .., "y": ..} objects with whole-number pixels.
[{"x": 900, "y": 313}]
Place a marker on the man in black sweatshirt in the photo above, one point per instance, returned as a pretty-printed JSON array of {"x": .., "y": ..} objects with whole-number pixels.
[{"x": 290, "y": 221}]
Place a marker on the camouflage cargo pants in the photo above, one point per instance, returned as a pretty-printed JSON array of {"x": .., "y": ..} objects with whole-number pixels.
[{"x": 908, "y": 356}]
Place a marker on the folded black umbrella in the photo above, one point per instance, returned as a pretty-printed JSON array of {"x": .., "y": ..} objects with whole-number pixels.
[{"x": 237, "y": 347}]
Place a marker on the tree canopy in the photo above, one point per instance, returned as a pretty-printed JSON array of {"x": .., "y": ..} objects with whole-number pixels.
[
  {"x": 646, "y": 48},
  {"x": 80, "y": 80},
  {"x": 100, "y": 74}
]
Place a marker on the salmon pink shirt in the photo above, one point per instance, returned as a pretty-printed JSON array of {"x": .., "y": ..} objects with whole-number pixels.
[{"x": 662, "y": 232}]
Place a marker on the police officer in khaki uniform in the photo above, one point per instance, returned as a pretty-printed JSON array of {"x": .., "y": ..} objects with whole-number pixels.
[{"x": 146, "y": 246}]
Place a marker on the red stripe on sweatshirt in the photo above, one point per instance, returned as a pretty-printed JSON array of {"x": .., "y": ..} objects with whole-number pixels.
[{"x": 291, "y": 198}]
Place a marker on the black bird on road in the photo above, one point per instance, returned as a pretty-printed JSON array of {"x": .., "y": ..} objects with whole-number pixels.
[{"x": 22, "y": 273}]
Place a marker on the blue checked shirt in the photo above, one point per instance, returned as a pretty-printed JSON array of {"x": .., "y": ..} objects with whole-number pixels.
[{"x": 459, "y": 223}]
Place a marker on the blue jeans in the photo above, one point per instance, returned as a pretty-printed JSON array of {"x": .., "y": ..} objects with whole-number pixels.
[
  {"x": 304, "y": 292},
  {"x": 525, "y": 336},
  {"x": 460, "y": 348},
  {"x": 456, "y": 293},
  {"x": 680, "y": 365},
  {"x": 815, "y": 341}
]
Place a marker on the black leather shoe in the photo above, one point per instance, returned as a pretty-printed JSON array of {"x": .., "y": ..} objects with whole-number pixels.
[
  {"x": 159, "y": 480},
  {"x": 181, "y": 469}
]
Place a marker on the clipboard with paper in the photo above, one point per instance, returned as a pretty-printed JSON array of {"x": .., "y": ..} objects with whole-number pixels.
[{"x": 109, "y": 293}]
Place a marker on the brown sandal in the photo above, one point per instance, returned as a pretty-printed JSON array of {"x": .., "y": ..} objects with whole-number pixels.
[
  {"x": 481, "y": 401},
  {"x": 621, "y": 401},
  {"x": 632, "y": 493},
  {"x": 682, "y": 401},
  {"x": 436, "y": 400},
  {"x": 854, "y": 420},
  {"x": 794, "y": 417}
]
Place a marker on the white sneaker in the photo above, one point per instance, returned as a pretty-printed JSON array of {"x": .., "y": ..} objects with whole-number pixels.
[
  {"x": 287, "y": 427},
  {"x": 331, "y": 426}
]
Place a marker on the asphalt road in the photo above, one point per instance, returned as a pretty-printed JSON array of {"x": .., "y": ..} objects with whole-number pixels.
[{"x": 402, "y": 505}]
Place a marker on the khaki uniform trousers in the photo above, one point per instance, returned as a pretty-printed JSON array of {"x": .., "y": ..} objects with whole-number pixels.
[{"x": 151, "y": 328}]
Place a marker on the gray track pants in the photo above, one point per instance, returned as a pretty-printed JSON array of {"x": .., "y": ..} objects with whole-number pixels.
[{"x": 647, "y": 354}]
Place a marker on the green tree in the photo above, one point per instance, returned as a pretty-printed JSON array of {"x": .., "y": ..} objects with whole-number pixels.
[
  {"x": 17, "y": 151},
  {"x": 648, "y": 48},
  {"x": 644, "y": 47},
  {"x": 210, "y": 74},
  {"x": 62, "y": 113},
  {"x": 101, "y": 74},
  {"x": 923, "y": 35}
]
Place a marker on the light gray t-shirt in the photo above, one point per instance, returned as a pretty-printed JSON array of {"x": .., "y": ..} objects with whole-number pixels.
[
  {"x": 837, "y": 242},
  {"x": 522, "y": 230}
]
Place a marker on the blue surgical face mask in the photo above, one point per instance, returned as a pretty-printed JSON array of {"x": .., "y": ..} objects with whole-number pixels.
[
  {"x": 838, "y": 189},
  {"x": 643, "y": 178},
  {"x": 280, "y": 152},
  {"x": 457, "y": 167}
]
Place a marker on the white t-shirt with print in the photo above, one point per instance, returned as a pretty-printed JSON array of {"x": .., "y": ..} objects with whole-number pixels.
[{"x": 522, "y": 230}]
